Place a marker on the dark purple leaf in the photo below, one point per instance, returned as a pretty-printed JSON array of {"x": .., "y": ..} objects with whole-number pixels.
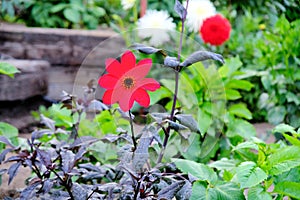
[
  {"x": 180, "y": 10},
  {"x": 125, "y": 154},
  {"x": 44, "y": 157},
  {"x": 90, "y": 167},
  {"x": 79, "y": 192},
  {"x": 92, "y": 176},
  {"x": 84, "y": 141},
  {"x": 67, "y": 161},
  {"x": 201, "y": 56},
  {"x": 28, "y": 163},
  {"x": 185, "y": 192},
  {"x": 39, "y": 133},
  {"x": 13, "y": 158},
  {"x": 27, "y": 193},
  {"x": 6, "y": 141},
  {"x": 171, "y": 62},
  {"x": 96, "y": 105},
  {"x": 159, "y": 117},
  {"x": 46, "y": 186},
  {"x": 170, "y": 191},
  {"x": 2, "y": 171},
  {"x": 141, "y": 154},
  {"x": 80, "y": 153},
  {"x": 177, "y": 127},
  {"x": 48, "y": 122},
  {"x": 3, "y": 154},
  {"x": 147, "y": 49},
  {"x": 110, "y": 138},
  {"x": 188, "y": 121},
  {"x": 12, "y": 171}
]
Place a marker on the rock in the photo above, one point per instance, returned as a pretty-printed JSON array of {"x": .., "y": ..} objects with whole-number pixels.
[{"x": 32, "y": 81}]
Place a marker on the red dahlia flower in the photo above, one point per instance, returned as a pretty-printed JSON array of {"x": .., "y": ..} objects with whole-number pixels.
[
  {"x": 126, "y": 82},
  {"x": 215, "y": 30}
]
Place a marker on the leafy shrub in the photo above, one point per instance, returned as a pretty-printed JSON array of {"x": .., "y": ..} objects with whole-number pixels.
[
  {"x": 270, "y": 58},
  {"x": 55, "y": 14}
]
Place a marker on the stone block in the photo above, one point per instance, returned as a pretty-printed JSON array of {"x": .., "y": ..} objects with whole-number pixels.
[
  {"x": 64, "y": 47},
  {"x": 32, "y": 81}
]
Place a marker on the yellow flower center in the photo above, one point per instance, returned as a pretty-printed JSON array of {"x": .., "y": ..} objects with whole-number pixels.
[{"x": 128, "y": 82}]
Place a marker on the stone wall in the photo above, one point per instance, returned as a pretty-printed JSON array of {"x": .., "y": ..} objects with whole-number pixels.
[
  {"x": 58, "y": 46},
  {"x": 75, "y": 57}
]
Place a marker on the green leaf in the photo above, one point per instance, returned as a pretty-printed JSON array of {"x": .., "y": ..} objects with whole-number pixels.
[
  {"x": 98, "y": 12},
  {"x": 185, "y": 94},
  {"x": 232, "y": 94},
  {"x": 249, "y": 175},
  {"x": 8, "y": 130},
  {"x": 240, "y": 110},
  {"x": 258, "y": 193},
  {"x": 8, "y": 69},
  {"x": 241, "y": 128},
  {"x": 227, "y": 191},
  {"x": 58, "y": 7},
  {"x": 288, "y": 188},
  {"x": 199, "y": 170},
  {"x": 284, "y": 128},
  {"x": 223, "y": 164},
  {"x": 293, "y": 140},
  {"x": 246, "y": 145},
  {"x": 204, "y": 120},
  {"x": 291, "y": 176},
  {"x": 159, "y": 94},
  {"x": 209, "y": 148},
  {"x": 284, "y": 159},
  {"x": 239, "y": 84},
  {"x": 232, "y": 64},
  {"x": 72, "y": 15},
  {"x": 291, "y": 97},
  {"x": 276, "y": 114},
  {"x": 194, "y": 150}
]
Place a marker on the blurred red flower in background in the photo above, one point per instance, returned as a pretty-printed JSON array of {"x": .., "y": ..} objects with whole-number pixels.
[
  {"x": 126, "y": 82},
  {"x": 215, "y": 30}
]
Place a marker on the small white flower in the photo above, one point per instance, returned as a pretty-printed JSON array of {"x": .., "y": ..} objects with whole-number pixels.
[
  {"x": 197, "y": 12},
  {"x": 127, "y": 4},
  {"x": 155, "y": 25}
]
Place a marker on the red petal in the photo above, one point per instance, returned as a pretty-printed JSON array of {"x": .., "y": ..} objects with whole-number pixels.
[
  {"x": 139, "y": 72},
  {"x": 142, "y": 97},
  {"x": 125, "y": 101},
  {"x": 145, "y": 62},
  {"x": 149, "y": 84},
  {"x": 114, "y": 67},
  {"x": 127, "y": 61},
  {"x": 107, "y": 81},
  {"x": 215, "y": 30},
  {"x": 123, "y": 96},
  {"x": 107, "y": 97}
]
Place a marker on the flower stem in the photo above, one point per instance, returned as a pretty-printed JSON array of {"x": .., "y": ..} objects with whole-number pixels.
[
  {"x": 167, "y": 132},
  {"x": 132, "y": 131}
]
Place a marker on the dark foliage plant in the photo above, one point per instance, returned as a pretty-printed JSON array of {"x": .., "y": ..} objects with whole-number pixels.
[{"x": 168, "y": 158}]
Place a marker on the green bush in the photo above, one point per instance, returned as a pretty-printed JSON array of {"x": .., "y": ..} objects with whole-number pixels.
[
  {"x": 270, "y": 57},
  {"x": 54, "y": 13}
]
